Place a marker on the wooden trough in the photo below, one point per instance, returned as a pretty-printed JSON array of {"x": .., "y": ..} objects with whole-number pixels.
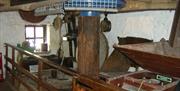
[{"x": 157, "y": 57}]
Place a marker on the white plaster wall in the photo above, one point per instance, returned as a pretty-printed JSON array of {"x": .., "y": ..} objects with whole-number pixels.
[
  {"x": 12, "y": 30},
  {"x": 148, "y": 24}
]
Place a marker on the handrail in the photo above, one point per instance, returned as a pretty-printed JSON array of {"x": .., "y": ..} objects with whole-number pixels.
[{"x": 44, "y": 60}]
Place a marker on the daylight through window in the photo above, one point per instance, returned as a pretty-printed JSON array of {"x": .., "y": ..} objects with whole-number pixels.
[{"x": 36, "y": 35}]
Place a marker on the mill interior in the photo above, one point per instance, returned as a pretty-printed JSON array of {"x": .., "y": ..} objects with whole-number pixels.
[{"x": 89, "y": 45}]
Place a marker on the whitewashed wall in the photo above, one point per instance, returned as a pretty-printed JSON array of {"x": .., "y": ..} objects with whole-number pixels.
[
  {"x": 12, "y": 30},
  {"x": 148, "y": 24}
]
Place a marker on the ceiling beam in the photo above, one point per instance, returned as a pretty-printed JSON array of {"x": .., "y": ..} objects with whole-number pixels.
[
  {"x": 131, "y": 5},
  {"x": 142, "y": 5},
  {"x": 29, "y": 6}
]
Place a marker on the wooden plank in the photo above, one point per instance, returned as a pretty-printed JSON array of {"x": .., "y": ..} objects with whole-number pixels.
[
  {"x": 175, "y": 31},
  {"x": 140, "y": 5},
  {"x": 88, "y": 46}
]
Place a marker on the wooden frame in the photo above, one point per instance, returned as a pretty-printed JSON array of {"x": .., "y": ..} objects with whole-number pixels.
[{"x": 34, "y": 38}]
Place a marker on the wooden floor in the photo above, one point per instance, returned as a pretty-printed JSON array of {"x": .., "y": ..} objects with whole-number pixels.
[{"x": 4, "y": 86}]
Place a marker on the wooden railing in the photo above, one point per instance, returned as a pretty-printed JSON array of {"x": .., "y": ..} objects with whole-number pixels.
[
  {"x": 16, "y": 70},
  {"x": 16, "y": 73}
]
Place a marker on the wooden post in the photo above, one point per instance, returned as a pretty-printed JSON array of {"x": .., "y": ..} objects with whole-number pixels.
[
  {"x": 40, "y": 68},
  {"x": 174, "y": 39},
  {"x": 13, "y": 68},
  {"x": 88, "y": 46},
  {"x": 6, "y": 62}
]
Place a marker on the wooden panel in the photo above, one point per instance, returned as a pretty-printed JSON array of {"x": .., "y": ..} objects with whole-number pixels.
[
  {"x": 175, "y": 31},
  {"x": 88, "y": 46}
]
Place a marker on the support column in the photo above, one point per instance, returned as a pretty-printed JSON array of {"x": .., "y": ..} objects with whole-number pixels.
[{"x": 88, "y": 46}]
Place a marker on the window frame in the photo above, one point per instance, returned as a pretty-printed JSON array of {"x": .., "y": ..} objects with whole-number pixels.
[{"x": 34, "y": 30}]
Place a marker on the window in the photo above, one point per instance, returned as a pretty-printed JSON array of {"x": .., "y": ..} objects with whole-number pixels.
[{"x": 36, "y": 35}]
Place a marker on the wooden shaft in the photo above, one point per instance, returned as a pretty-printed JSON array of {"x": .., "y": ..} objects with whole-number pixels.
[{"x": 88, "y": 46}]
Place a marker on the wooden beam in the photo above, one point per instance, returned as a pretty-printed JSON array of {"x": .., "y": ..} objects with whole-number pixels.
[
  {"x": 174, "y": 39},
  {"x": 141, "y": 5},
  {"x": 88, "y": 46},
  {"x": 131, "y": 5},
  {"x": 29, "y": 6}
]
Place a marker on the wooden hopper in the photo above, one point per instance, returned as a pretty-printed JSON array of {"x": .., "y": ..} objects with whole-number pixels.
[{"x": 157, "y": 57}]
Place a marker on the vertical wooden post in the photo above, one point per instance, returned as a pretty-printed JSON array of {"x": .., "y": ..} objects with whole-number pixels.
[
  {"x": 175, "y": 32},
  {"x": 13, "y": 63},
  {"x": 6, "y": 63},
  {"x": 88, "y": 46},
  {"x": 40, "y": 68}
]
